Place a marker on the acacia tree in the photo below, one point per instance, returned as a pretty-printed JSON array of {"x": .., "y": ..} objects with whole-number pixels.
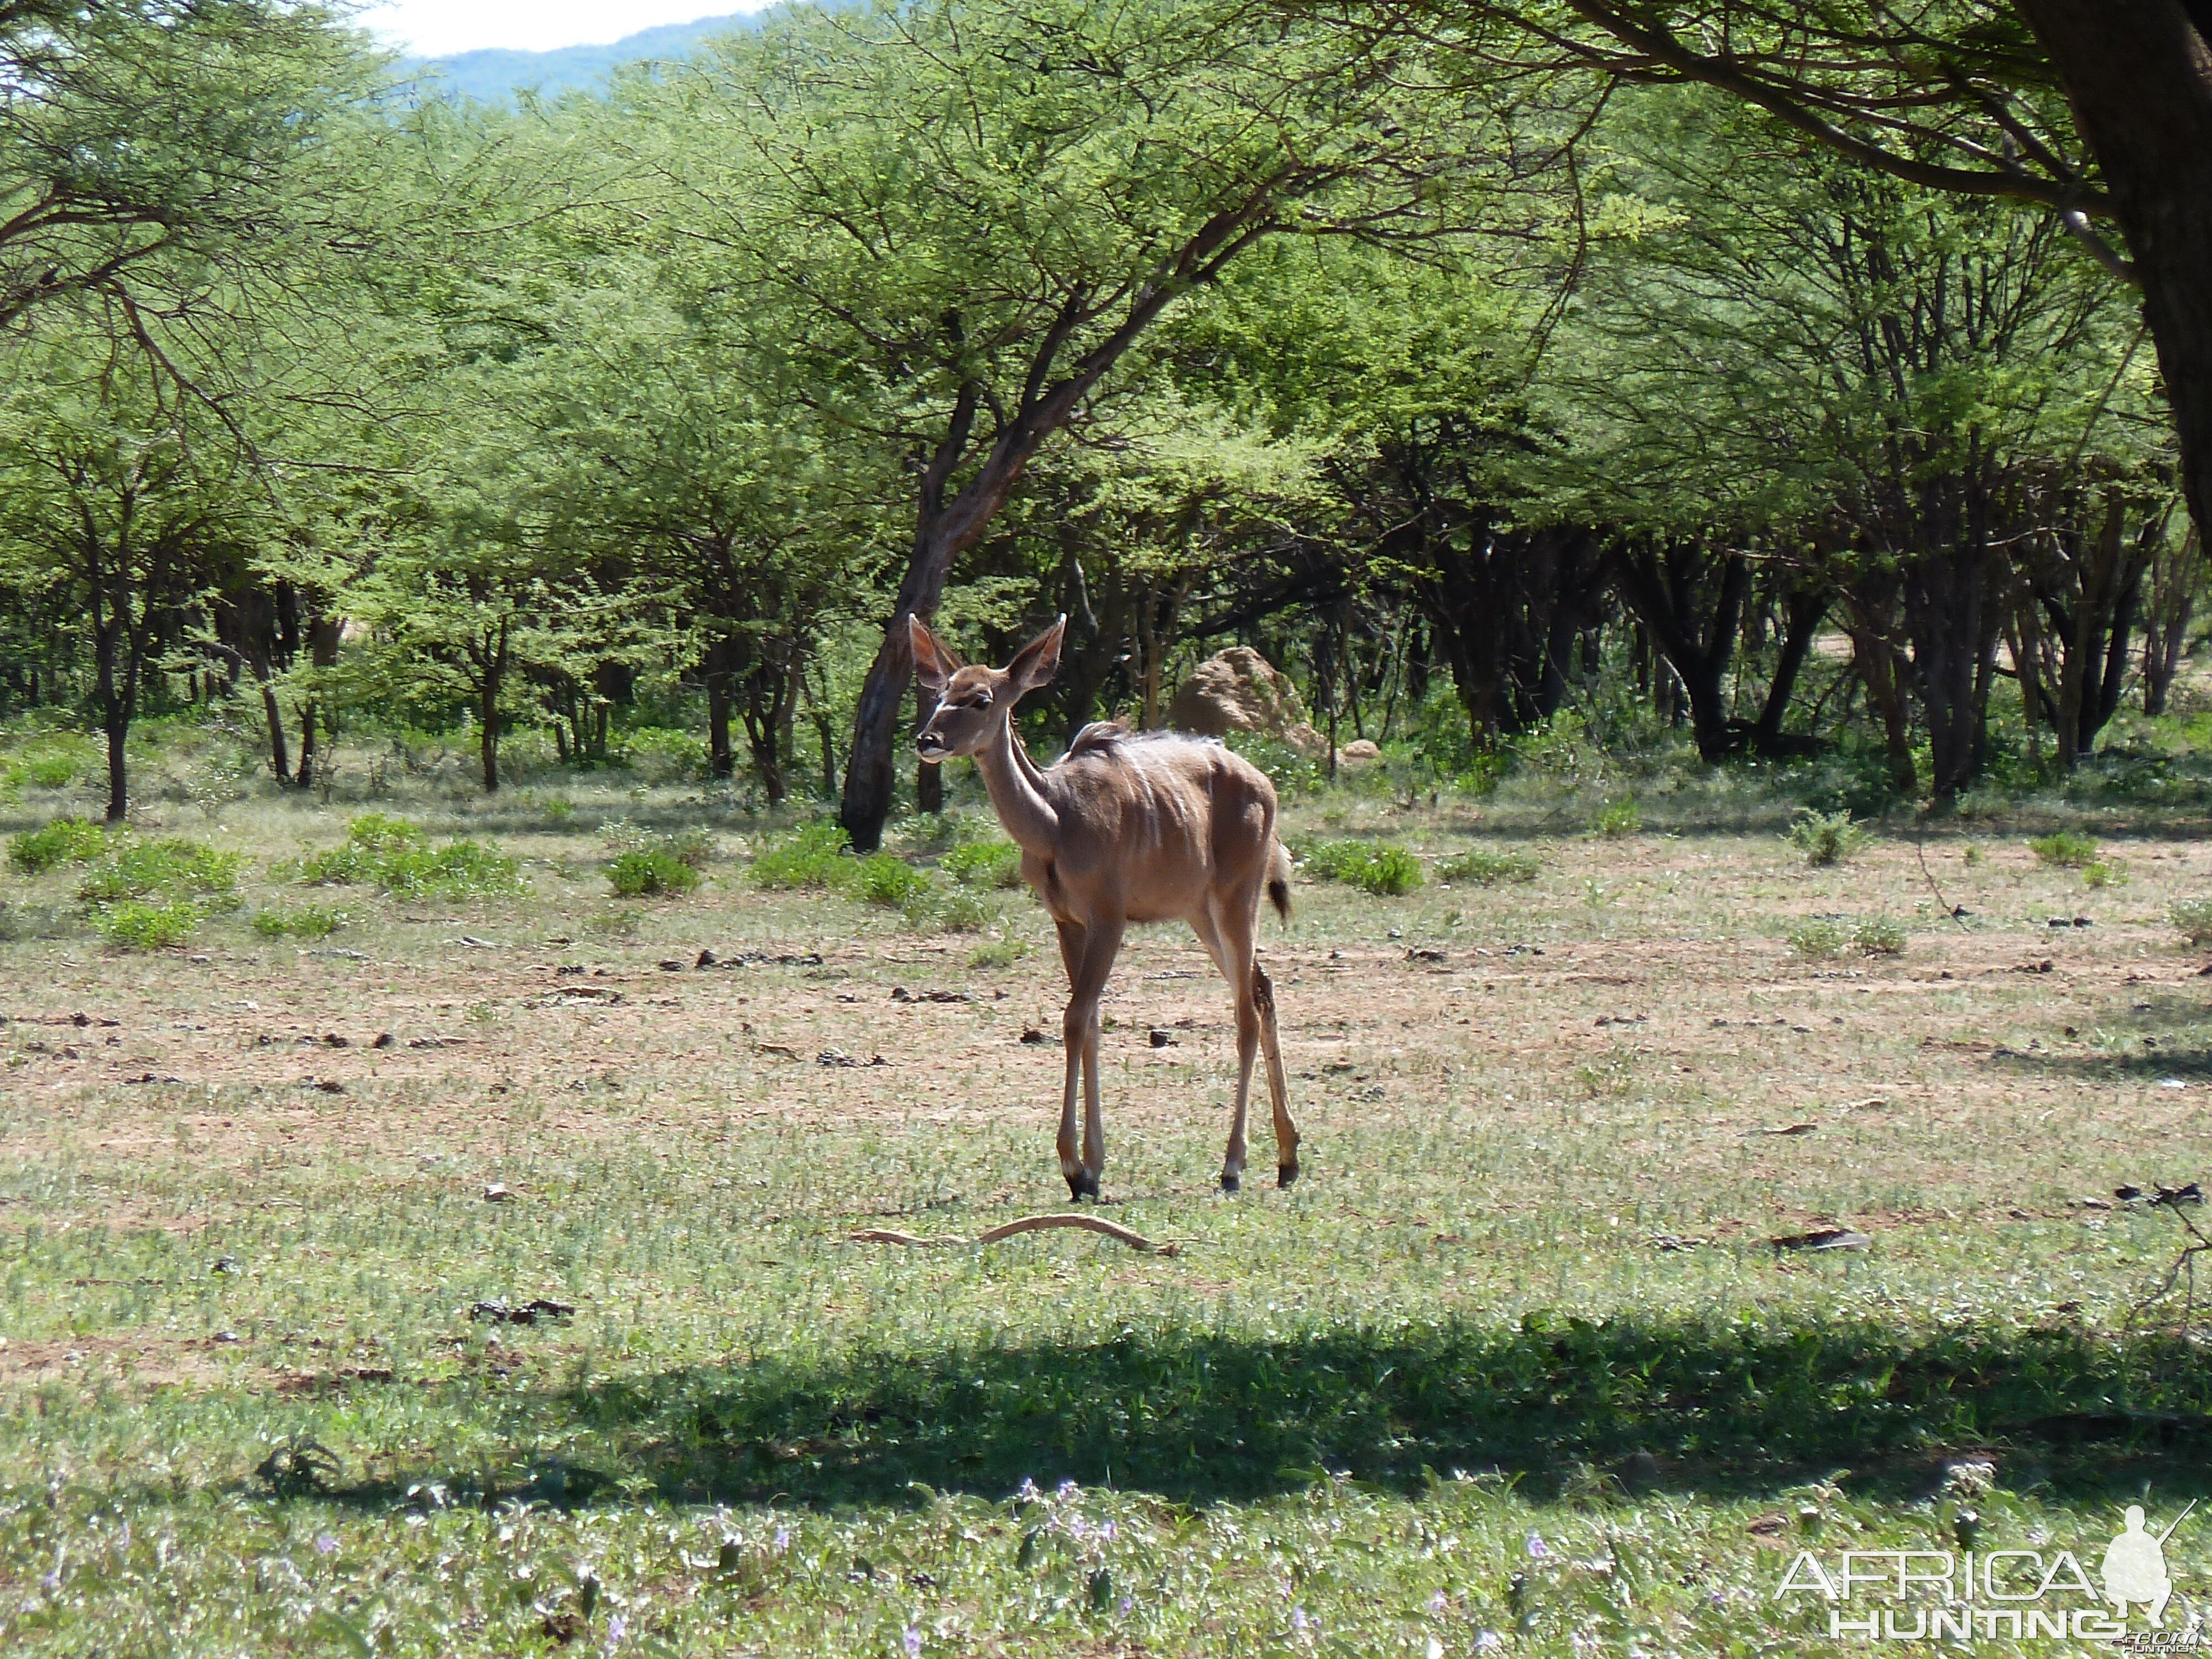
[
  {"x": 657, "y": 450},
  {"x": 1871, "y": 374},
  {"x": 971, "y": 213},
  {"x": 2099, "y": 115},
  {"x": 120, "y": 501}
]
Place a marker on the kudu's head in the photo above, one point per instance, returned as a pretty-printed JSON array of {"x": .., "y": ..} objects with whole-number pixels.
[{"x": 974, "y": 704}]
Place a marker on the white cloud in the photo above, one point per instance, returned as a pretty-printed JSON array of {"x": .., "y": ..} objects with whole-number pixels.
[{"x": 438, "y": 28}]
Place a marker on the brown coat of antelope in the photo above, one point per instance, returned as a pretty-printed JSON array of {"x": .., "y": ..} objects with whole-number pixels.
[{"x": 1125, "y": 828}]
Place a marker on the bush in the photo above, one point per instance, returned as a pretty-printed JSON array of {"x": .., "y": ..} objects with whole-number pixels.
[
  {"x": 1616, "y": 819},
  {"x": 174, "y": 868},
  {"x": 2193, "y": 916},
  {"x": 1827, "y": 936},
  {"x": 394, "y": 855},
  {"x": 814, "y": 855},
  {"x": 962, "y": 910},
  {"x": 1373, "y": 868},
  {"x": 1488, "y": 869},
  {"x": 1826, "y": 837},
  {"x": 2066, "y": 850},
  {"x": 138, "y": 925},
  {"x": 308, "y": 922},
  {"x": 695, "y": 847},
  {"x": 1821, "y": 936},
  {"x": 887, "y": 879},
  {"x": 655, "y": 870},
  {"x": 2105, "y": 873},
  {"x": 984, "y": 864},
  {"x": 1878, "y": 936},
  {"x": 65, "y": 840}
]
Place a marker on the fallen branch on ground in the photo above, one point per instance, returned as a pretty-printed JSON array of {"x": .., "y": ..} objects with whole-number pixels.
[{"x": 1028, "y": 1223}]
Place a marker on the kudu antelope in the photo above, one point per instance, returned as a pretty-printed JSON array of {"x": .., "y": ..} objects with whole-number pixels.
[{"x": 1124, "y": 829}]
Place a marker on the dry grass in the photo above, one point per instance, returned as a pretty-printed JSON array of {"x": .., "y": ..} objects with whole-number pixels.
[{"x": 1594, "y": 1095}]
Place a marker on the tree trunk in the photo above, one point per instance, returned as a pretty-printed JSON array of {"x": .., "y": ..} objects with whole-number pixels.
[
  {"x": 117, "y": 726},
  {"x": 2139, "y": 78},
  {"x": 720, "y": 672},
  {"x": 1949, "y": 617},
  {"x": 1876, "y": 661},
  {"x": 280, "y": 762},
  {"x": 1666, "y": 588},
  {"x": 487, "y": 737},
  {"x": 1802, "y": 609}
]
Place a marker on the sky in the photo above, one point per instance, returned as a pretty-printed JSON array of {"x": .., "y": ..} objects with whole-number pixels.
[{"x": 438, "y": 28}]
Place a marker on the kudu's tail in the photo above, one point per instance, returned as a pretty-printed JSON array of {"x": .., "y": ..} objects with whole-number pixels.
[{"x": 1278, "y": 882}]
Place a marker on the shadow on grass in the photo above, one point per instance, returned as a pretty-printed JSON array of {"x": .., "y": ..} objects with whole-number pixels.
[{"x": 1198, "y": 1417}]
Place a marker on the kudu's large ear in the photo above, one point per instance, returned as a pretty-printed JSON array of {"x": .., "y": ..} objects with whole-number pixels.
[
  {"x": 932, "y": 661},
  {"x": 1035, "y": 663}
]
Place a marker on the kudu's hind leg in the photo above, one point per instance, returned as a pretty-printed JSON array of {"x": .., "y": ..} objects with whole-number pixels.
[
  {"x": 1279, "y": 1093},
  {"x": 1231, "y": 947}
]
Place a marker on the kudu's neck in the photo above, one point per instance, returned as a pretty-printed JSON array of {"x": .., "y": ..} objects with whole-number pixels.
[{"x": 1016, "y": 791}]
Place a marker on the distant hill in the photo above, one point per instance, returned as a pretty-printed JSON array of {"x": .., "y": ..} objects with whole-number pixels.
[{"x": 495, "y": 74}]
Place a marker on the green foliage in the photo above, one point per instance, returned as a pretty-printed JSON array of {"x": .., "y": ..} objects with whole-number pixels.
[
  {"x": 998, "y": 953},
  {"x": 1616, "y": 819},
  {"x": 65, "y": 840},
  {"x": 1878, "y": 936},
  {"x": 1822, "y": 935},
  {"x": 395, "y": 854},
  {"x": 694, "y": 847},
  {"x": 173, "y": 869},
  {"x": 53, "y": 761},
  {"x": 984, "y": 864},
  {"x": 303, "y": 921},
  {"x": 2066, "y": 850},
  {"x": 1376, "y": 867},
  {"x": 2193, "y": 918},
  {"x": 1488, "y": 869},
  {"x": 1829, "y": 936},
  {"x": 138, "y": 925},
  {"x": 653, "y": 871},
  {"x": 814, "y": 855},
  {"x": 1826, "y": 837},
  {"x": 887, "y": 879},
  {"x": 2105, "y": 873}
]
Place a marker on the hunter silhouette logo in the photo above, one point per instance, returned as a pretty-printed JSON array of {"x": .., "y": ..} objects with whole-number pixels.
[
  {"x": 1918, "y": 1595},
  {"x": 2135, "y": 1566}
]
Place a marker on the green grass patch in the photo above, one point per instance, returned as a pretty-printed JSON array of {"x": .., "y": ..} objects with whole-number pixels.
[
  {"x": 814, "y": 855},
  {"x": 1616, "y": 819},
  {"x": 395, "y": 854},
  {"x": 984, "y": 864},
  {"x": 2193, "y": 917},
  {"x": 65, "y": 840},
  {"x": 1372, "y": 866},
  {"x": 653, "y": 870},
  {"x": 303, "y": 921},
  {"x": 174, "y": 868},
  {"x": 2067, "y": 850},
  {"x": 1830, "y": 936},
  {"x": 135, "y": 925},
  {"x": 1488, "y": 869},
  {"x": 1826, "y": 837},
  {"x": 887, "y": 879}
]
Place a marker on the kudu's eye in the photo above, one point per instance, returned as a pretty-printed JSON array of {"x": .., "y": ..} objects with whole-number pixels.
[{"x": 981, "y": 700}]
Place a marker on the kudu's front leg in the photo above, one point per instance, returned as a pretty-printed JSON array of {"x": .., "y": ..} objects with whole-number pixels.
[{"x": 1089, "y": 953}]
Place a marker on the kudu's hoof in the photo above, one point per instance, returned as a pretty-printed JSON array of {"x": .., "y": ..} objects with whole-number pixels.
[
  {"x": 1286, "y": 1174},
  {"x": 1083, "y": 1185},
  {"x": 1230, "y": 1183}
]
